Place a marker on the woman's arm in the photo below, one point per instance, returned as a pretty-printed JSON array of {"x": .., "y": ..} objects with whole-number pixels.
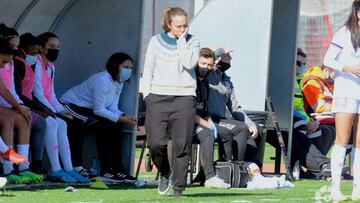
[
  {"x": 189, "y": 48},
  {"x": 149, "y": 66}
]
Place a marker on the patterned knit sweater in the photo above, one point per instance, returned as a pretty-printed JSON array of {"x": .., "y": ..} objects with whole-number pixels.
[{"x": 169, "y": 66}]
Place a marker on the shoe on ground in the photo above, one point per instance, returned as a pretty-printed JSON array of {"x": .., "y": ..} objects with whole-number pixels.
[
  {"x": 79, "y": 178},
  {"x": 126, "y": 178},
  {"x": 61, "y": 176},
  {"x": 11, "y": 155},
  {"x": 164, "y": 185},
  {"x": 177, "y": 193},
  {"x": 35, "y": 178},
  {"x": 112, "y": 177},
  {"x": 17, "y": 178},
  {"x": 85, "y": 173},
  {"x": 216, "y": 182},
  {"x": 36, "y": 167}
]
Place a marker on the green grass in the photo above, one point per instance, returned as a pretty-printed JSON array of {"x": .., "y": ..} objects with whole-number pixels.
[{"x": 304, "y": 191}]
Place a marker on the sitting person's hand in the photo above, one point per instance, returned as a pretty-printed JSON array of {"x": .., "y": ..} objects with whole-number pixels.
[
  {"x": 128, "y": 120},
  {"x": 312, "y": 126},
  {"x": 25, "y": 111},
  {"x": 253, "y": 131},
  {"x": 67, "y": 115}
]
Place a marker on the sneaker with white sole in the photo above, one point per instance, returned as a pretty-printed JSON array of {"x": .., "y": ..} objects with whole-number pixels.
[
  {"x": 216, "y": 182},
  {"x": 164, "y": 185}
]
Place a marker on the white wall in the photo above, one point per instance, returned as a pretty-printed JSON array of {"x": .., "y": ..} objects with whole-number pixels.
[{"x": 243, "y": 26}]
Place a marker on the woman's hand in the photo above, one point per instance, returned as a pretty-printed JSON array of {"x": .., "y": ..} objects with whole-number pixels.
[
  {"x": 253, "y": 131},
  {"x": 128, "y": 120},
  {"x": 25, "y": 111}
]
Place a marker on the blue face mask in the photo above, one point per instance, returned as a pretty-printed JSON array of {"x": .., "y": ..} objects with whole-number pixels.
[
  {"x": 125, "y": 73},
  {"x": 30, "y": 59},
  {"x": 302, "y": 69}
]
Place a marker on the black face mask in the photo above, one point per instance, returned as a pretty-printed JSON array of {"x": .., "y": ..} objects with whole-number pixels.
[
  {"x": 223, "y": 66},
  {"x": 202, "y": 72},
  {"x": 52, "y": 54}
]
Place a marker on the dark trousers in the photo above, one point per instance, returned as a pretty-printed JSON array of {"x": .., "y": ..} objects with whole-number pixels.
[
  {"x": 254, "y": 152},
  {"x": 306, "y": 151},
  {"x": 230, "y": 131},
  {"x": 170, "y": 116},
  {"x": 205, "y": 137},
  {"x": 108, "y": 139},
  {"x": 326, "y": 140}
]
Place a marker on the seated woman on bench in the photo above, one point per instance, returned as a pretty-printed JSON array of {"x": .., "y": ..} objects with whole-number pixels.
[{"x": 94, "y": 104}]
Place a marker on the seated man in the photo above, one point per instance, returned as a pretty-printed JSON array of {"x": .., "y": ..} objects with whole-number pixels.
[
  {"x": 307, "y": 144},
  {"x": 205, "y": 131},
  {"x": 317, "y": 87},
  {"x": 222, "y": 99}
]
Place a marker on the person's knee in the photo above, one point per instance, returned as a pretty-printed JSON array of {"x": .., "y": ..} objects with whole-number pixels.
[
  {"x": 61, "y": 123},
  {"x": 157, "y": 147},
  {"x": 51, "y": 123}
]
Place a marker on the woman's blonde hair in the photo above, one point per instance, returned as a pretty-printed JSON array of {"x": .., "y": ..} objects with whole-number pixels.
[{"x": 167, "y": 14}]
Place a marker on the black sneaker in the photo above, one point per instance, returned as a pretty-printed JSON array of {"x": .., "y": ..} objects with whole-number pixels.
[
  {"x": 111, "y": 177},
  {"x": 164, "y": 185},
  {"x": 177, "y": 193},
  {"x": 36, "y": 167},
  {"x": 126, "y": 178},
  {"x": 85, "y": 173}
]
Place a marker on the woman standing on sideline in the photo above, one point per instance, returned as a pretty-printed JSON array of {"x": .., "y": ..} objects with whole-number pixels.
[
  {"x": 343, "y": 56},
  {"x": 169, "y": 85}
]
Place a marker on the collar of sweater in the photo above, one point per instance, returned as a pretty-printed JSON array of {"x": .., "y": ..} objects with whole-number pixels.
[{"x": 167, "y": 39}]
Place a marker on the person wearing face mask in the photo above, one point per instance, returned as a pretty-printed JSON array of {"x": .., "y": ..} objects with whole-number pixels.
[
  {"x": 222, "y": 98},
  {"x": 56, "y": 139},
  {"x": 23, "y": 174},
  {"x": 94, "y": 106},
  {"x": 24, "y": 64},
  {"x": 7, "y": 118},
  {"x": 205, "y": 131}
]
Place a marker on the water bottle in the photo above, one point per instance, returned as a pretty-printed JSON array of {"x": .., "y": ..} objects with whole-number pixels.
[
  {"x": 296, "y": 170},
  {"x": 94, "y": 169}
]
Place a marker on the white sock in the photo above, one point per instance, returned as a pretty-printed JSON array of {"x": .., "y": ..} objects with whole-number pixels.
[
  {"x": 7, "y": 165},
  {"x": 64, "y": 147},
  {"x": 3, "y": 146},
  {"x": 356, "y": 164},
  {"x": 337, "y": 162},
  {"x": 51, "y": 143},
  {"x": 23, "y": 149}
]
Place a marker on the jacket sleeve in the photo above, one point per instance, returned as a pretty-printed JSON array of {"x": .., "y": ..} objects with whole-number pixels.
[
  {"x": 100, "y": 91},
  {"x": 237, "y": 112},
  {"x": 333, "y": 55},
  {"x": 189, "y": 51},
  {"x": 38, "y": 89},
  {"x": 314, "y": 95}
]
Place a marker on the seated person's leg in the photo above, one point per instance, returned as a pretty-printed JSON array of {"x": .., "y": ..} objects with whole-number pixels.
[
  {"x": 239, "y": 132},
  {"x": 254, "y": 153},
  {"x": 328, "y": 136},
  {"x": 37, "y": 144},
  {"x": 307, "y": 153},
  {"x": 206, "y": 139}
]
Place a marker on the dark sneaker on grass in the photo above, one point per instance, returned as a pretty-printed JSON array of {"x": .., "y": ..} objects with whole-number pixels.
[
  {"x": 85, "y": 173},
  {"x": 164, "y": 185},
  {"x": 111, "y": 177}
]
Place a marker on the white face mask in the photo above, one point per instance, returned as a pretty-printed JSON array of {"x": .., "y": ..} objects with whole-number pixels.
[{"x": 30, "y": 59}]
